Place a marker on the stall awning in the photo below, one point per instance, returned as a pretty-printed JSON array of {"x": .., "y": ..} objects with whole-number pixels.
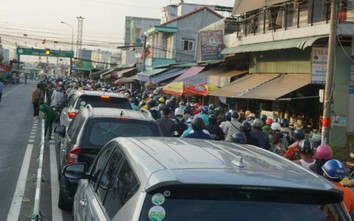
[
  {"x": 147, "y": 74},
  {"x": 189, "y": 73},
  {"x": 124, "y": 72},
  {"x": 216, "y": 77},
  {"x": 124, "y": 80},
  {"x": 166, "y": 75},
  {"x": 284, "y": 84},
  {"x": 243, "y": 85},
  {"x": 300, "y": 43}
]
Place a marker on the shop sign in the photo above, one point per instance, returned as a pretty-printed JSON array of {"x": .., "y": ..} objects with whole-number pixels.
[
  {"x": 319, "y": 65},
  {"x": 211, "y": 44},
  {"x": 352, "y": 70},
  {"x": 341, "y": 121}
]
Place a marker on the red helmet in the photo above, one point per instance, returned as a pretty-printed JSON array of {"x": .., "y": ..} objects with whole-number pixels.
[
  {"x": 269, "y": 121},
  {"x": 324, "y": 152}
]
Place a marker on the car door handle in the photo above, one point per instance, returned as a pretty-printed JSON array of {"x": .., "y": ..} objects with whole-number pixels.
[{"x": 83, "y": 203}]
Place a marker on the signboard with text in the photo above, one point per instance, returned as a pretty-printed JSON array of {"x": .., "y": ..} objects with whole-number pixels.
[
  {"x": 41, "y": 52},
  {"x": 211, "y": 44},
  {"x": 319, "y": 65}
]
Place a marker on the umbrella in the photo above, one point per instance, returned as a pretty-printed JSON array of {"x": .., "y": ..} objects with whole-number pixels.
[
  {"x": 183, "y": 88},
  {"x": 200, "y": 89},
  {"x": 176, "y": 88}
]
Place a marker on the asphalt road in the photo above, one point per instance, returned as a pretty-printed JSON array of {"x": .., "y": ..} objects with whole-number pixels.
[{"x": 20, "y": 145}]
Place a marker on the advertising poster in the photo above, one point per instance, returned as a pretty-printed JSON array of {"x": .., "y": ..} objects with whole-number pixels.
[
  {"x": 211, "y": 45},
  {"x": 319, "y": 65}
]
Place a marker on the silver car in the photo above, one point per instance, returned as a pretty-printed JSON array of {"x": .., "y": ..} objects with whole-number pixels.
[{"x": 155, "y": 179}]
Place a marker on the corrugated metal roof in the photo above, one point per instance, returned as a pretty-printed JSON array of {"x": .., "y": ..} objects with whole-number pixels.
[
  {"x": 300, "y": 43},
  {"x": 166, "y": 75},
  {"x": 145, "y": 75}
]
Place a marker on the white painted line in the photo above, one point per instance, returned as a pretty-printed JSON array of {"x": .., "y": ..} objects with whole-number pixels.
[
  {"x": 31, "y": 141},
  {"x": 56, "y": 212},
  {"x": 32, "y": 136},
  {"x": 16, "y": 203},
  {"x": 9, "y": 92}
]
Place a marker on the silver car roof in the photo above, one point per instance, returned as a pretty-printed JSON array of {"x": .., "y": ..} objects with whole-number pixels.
[
  {"x": 119, "y": 113},
  {"x": 167, "y": 161},
  {"x": 99, "y": 93}
]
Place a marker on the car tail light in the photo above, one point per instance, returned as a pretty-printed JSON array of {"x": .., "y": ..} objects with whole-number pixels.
[
  {"x": 73, "y": 155},
  {"x": 72, "y": 115},
  {"x": 105, "y": 96}
]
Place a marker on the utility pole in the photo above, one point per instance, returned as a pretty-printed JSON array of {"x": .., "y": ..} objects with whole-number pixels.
[{"x": 328, "y": 93}]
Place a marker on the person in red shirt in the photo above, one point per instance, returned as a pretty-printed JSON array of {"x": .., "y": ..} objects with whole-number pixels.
[{"x": 334, "y": 171}]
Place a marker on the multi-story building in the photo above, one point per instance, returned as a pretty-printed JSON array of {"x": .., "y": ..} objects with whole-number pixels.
[{"x": 286, "y": 46}]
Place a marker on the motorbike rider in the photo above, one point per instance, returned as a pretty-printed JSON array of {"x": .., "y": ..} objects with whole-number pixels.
[
  {"x": 247, "y": 128},
  {"x": 323, "y": 154},
  {"x": 204, "y": 115},
  {"x": 181, "y": 124},
  {"x": 215, "y": 131},
  {"x": 232, "y": 126},
  {"x": 275, "y": 139},
  {"x": 267, "y": 125},
  {"x": 334, "y": 171},
  {"x": 258, "y": 134},
  {"x": 293, "y": 149},
  {"x": 198, "y": 126},
  {"x": 306, "y": 152},
  {"x": 239, "y": 137}
]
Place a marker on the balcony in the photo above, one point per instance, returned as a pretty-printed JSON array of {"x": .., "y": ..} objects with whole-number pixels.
[{"x": 288, "y": 21}]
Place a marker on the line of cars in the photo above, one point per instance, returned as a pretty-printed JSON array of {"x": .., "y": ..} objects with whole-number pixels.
[{"x": 116, "y": 166}]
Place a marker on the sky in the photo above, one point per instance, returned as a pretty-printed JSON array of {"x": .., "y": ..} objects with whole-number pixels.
[{"x": 29, "y": 22}]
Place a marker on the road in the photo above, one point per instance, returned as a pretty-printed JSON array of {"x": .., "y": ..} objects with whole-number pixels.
[{"x": 21, "y": 140}]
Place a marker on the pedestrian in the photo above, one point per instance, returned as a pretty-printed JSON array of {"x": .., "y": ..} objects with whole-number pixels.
[
  {"x": 37, "y": 97},
  {"x": 49, "y": 116},
  {"x": 1, "y": 89}
]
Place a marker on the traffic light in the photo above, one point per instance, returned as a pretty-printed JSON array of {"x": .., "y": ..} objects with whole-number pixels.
[{"x": 47, "y": 52}]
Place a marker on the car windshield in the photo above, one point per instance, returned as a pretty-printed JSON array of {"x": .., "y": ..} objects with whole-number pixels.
[
  {"x": 210, "y": 204},
  {"x": 102, "y": 101},
  {"x": 102, "y": 130}
]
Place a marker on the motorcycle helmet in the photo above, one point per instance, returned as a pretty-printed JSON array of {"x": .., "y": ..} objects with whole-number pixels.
[
  {"x": 179, "y": 112},
  {"x": 269, "y": 121},
  {"x": 211, "y": 106},
  {"x": 323, "y": 152},
  {"x": 205, "y": 110},
  {"x": 275, "y": 126},
  {"x": 198, "y": 124},
  {"x": 257, "y": 123},
  {"x": 239, "y": 138},
  {"x": 284, "y": 122},
  {"x": 212, "y": 119},
  {"x": 299, "y": 134},
  {"x": 246, "y": 127},
  {"x": 264, "y": 117},
  {"x": 306, "y": 147},
  {"x": 228, "y": 116},
  {"x": 234, "y": 114},
  {"x": 152, "y": 103},
  {"x": 334, "y": 169}
]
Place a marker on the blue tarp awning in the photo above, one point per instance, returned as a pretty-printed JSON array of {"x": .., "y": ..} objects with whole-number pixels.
[{"x": 167, "y": 75}]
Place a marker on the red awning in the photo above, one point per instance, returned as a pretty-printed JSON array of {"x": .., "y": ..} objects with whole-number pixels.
[{"x": 189, "y": 73}]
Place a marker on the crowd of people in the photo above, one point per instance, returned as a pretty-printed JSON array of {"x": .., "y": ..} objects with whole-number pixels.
[{"x": 181, "y": 117}]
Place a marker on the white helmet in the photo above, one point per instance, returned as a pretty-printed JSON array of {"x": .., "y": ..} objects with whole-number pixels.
[
  {"x": 275, "y": 126},
  {"x": 179, "y": 112}
]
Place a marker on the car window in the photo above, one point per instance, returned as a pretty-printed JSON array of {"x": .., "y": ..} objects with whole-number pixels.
[
  {"x": 99, "y": 165},
  {"x": 102, "y": 130},
  {"x": 124, "y": 187},
  {"x": 109, "y": 174},
  {"x": 72, "y": 100},
  {"x": 223, "y": 204},
  {"x": 75, "y": 126},
  {"x": 98, "y": 101}
]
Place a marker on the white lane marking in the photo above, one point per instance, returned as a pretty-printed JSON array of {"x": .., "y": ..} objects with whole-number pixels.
[
  {"x": 16, "y": 203},
  {"x": 56, "y": 212},
  {"x": 9, "y": 92}
]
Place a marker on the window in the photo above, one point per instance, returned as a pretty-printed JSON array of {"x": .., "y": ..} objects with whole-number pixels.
[
  {"x": 187, "y": 45},
  {"x": 108, "y": 176},
  {"x": 99, "y": 165},
  {"x": 75, "y": 127},
  {"x": 98, "y": 101},
  {"x": 124, "y": 187}
]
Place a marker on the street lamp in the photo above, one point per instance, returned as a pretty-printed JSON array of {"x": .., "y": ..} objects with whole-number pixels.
[
  {"x": 72, "y": 34},
  {"x": 72, "y": 46}
]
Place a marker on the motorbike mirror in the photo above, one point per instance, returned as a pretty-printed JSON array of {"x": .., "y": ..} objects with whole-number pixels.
[{"x": 175, "y": 134}]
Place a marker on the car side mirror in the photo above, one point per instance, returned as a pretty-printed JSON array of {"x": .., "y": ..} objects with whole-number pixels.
[
  {"x": 75, "y": 171},
  {"x": 60, "y": 130}
]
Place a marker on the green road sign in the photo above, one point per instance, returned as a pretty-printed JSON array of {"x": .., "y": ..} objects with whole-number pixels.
[{"x": 41, "y": 52}]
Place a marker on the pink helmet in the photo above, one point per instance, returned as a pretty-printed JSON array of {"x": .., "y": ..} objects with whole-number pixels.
[{"x": 324, "y": 152}]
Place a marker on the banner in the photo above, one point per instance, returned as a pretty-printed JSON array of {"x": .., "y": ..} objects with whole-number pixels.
[
  {"x": 319, "y": 65},
  {"x": 211, "y": 45}
]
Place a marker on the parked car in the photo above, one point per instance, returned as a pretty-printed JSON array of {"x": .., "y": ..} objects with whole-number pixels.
[
  {"x": 90, "y": 130},
  {"x": 95, "y": 99},
  {"x": 143, "y": 179}
]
